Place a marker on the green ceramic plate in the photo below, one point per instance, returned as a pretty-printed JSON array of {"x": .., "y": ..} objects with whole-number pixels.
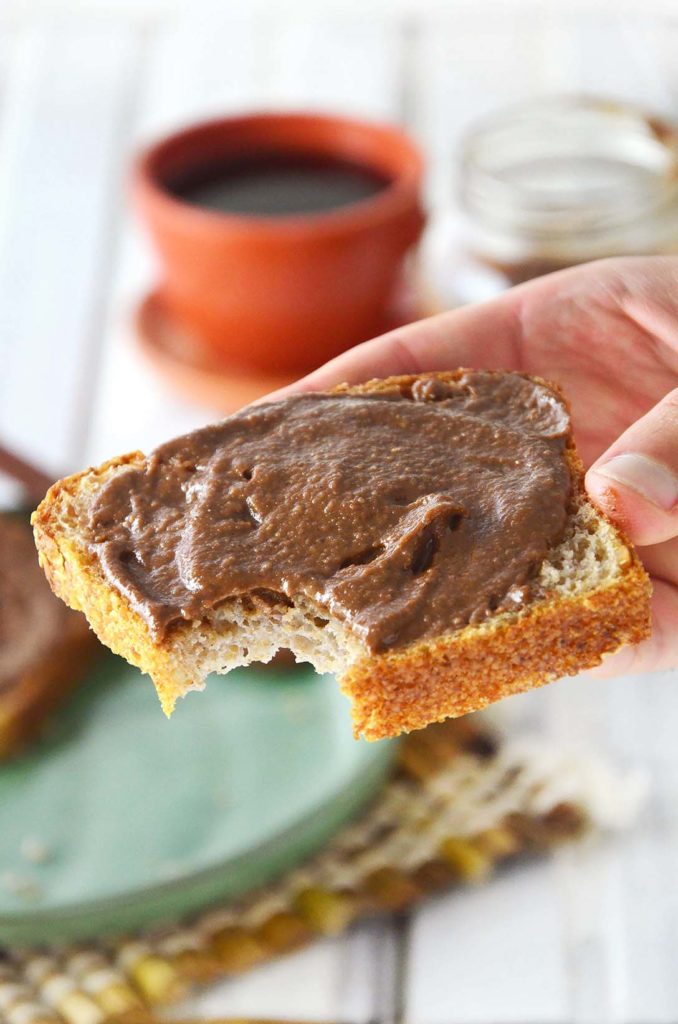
[{"x": 143, "y": 820}]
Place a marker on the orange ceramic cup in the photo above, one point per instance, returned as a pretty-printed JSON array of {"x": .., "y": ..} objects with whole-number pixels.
[{"x": 281, "y": 294}]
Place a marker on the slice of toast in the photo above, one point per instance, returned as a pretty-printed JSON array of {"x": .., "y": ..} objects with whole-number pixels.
[
  {"x": 594, "y": 597},
  {"x": 44, "y": 647}
]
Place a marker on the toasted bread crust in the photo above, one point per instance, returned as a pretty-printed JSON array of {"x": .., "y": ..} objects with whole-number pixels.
[
  {"x": 75, "y": 576},
  {"x": 452, "y": 676},
  {"x": 401, "y": 689}
]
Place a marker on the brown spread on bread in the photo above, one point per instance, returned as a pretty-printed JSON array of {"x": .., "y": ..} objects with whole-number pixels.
[{"x": 407, "y": 513}]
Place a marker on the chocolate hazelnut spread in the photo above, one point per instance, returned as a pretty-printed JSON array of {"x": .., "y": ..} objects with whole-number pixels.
[
  {"x": 30, "y": 615},
  {"x": 406, "y": 512}
]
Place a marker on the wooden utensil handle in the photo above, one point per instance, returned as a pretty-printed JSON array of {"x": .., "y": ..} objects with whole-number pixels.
[{"x": 33, "y": 480}]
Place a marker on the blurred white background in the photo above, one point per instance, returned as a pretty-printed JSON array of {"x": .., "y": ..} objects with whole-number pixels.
[{"x": 322, "y": 7}]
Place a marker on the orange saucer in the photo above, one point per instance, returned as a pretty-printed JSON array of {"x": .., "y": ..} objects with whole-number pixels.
[{"x": 176, "y": 355}]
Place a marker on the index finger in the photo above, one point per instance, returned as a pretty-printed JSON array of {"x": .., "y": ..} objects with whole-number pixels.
[{"x": 482, "y": 336}]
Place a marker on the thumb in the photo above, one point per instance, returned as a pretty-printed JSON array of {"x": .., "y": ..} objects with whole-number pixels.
[{"x": 636, "y": 481}]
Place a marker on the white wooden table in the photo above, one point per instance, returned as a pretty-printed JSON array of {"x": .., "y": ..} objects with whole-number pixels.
[{"x": 590, "y": 936}]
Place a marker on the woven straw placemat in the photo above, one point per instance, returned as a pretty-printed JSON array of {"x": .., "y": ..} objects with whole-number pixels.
[{"x": 460, "y": 802}]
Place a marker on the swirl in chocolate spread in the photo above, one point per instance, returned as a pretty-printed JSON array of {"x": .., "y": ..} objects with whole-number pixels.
[{"x": 406, "y": 513}]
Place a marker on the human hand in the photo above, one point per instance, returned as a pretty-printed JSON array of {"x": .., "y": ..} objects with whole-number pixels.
[{"x": 607, "y": 332}]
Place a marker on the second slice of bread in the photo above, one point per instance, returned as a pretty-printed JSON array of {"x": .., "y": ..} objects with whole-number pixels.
[
  {"x": 596, "y": 598},
  {"x": 45, "y": 649}
]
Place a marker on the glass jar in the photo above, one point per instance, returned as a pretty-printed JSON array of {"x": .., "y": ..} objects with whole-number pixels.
[{"x": 548, "y": 184}]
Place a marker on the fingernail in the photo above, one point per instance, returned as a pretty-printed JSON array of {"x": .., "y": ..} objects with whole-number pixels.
[{"x": 653, "y": 480}]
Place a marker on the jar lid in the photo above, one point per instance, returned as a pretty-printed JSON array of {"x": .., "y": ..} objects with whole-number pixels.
[{"x": 569, "y": 167}]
